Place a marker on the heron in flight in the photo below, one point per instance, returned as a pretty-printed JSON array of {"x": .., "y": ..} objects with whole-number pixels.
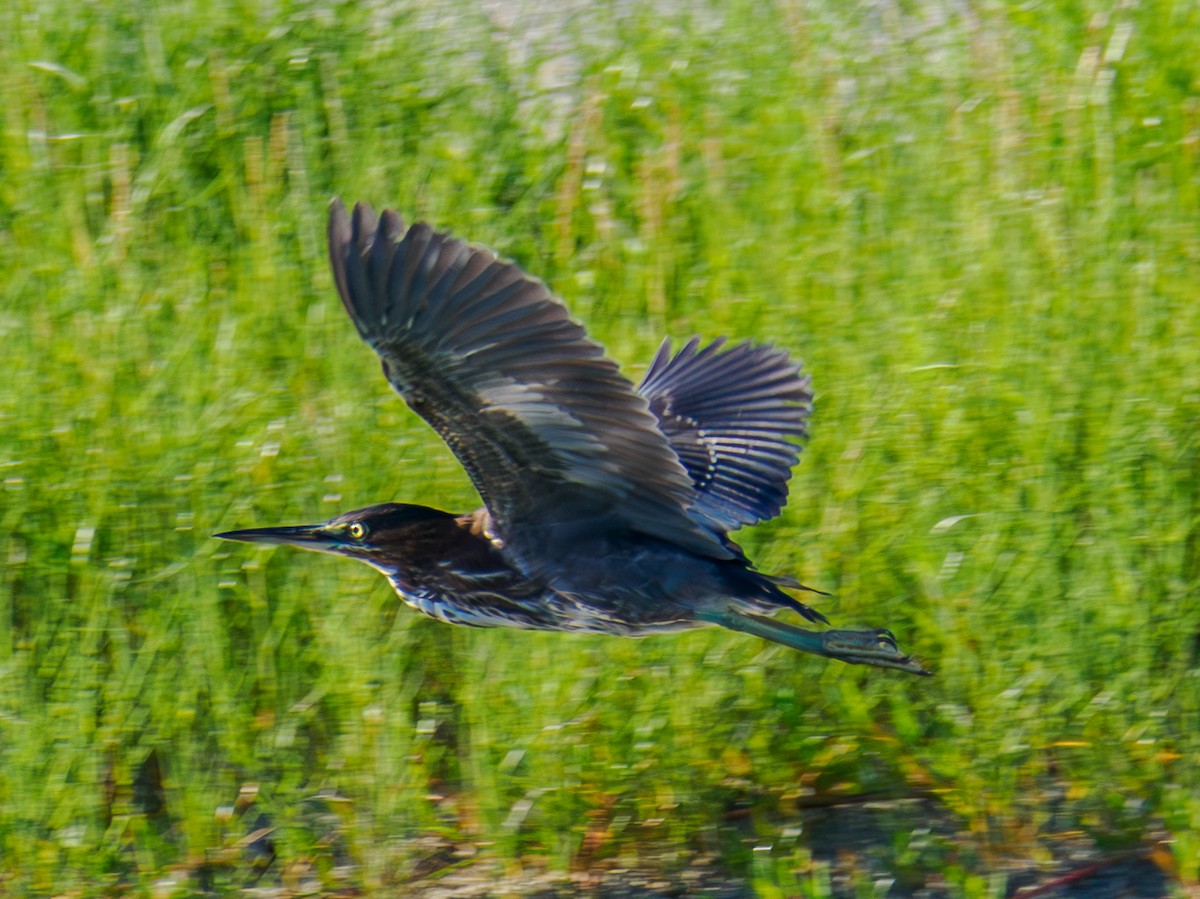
[{"x": 606, "y": 508}]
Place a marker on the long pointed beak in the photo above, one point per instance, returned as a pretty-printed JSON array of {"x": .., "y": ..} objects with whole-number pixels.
[{"x": 306, "y": 536}]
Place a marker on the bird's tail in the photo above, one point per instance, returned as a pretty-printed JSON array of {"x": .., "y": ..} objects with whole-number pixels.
[
  {"x": 790, "y": 583},
  {"x": 766, "y": 587}
]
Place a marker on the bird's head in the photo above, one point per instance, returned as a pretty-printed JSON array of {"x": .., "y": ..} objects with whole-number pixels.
[{"x": 383, "y": 536}]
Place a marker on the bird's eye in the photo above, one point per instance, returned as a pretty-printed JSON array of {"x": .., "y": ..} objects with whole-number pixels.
[{"x": 356, "y": 530}]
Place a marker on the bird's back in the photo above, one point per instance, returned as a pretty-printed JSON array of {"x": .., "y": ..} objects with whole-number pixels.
[{"x": 612, "y": 583}]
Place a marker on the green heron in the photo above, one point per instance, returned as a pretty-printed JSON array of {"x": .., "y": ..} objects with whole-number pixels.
[{"x": 606, "y": 508}]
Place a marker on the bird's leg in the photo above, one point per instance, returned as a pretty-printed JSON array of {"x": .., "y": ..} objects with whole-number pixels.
[{"x": 870, "y": 647}]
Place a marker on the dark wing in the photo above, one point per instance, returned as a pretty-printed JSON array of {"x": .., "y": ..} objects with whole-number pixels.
[
  {"x": 734, "y": 417},
  {"x": 556, "y": 440}
]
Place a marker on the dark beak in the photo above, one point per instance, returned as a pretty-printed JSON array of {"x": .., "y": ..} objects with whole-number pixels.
[{"x": 307, "y": 536}]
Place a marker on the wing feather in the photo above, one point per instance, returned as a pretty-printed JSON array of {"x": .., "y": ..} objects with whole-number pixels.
[
  {"x": 735, "y": 417},
  {"x": 553, "y": 436}
]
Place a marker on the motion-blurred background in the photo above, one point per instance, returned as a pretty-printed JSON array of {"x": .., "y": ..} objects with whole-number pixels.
[{"x": 977, "y": 222}]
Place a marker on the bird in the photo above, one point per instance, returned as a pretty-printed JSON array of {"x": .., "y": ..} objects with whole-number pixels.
[{"x": 607, "y": 508}]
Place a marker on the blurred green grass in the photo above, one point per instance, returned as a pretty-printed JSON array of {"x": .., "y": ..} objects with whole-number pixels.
[{"x": 977, "y": 226}]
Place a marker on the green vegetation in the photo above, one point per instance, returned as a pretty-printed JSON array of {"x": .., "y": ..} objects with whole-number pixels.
[{"x": 980, "y": 227}]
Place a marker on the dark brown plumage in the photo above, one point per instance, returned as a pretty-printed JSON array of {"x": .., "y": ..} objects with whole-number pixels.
[{"x": 607, "y": 508}]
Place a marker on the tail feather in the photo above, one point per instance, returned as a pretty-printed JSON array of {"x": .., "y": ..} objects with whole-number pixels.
[
  {"x": 754, "y": 585},
  {"x": 807, "y": 611},
  {"x": 790, "y": 583}
]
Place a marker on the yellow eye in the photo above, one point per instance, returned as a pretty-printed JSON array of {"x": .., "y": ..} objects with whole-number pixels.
[{"x": 356, "y": 530}]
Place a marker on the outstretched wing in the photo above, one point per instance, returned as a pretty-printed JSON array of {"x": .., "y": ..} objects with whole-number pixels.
[
  {"x": 556, "y": 440},
  {"x": 734, "y": 417}
]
